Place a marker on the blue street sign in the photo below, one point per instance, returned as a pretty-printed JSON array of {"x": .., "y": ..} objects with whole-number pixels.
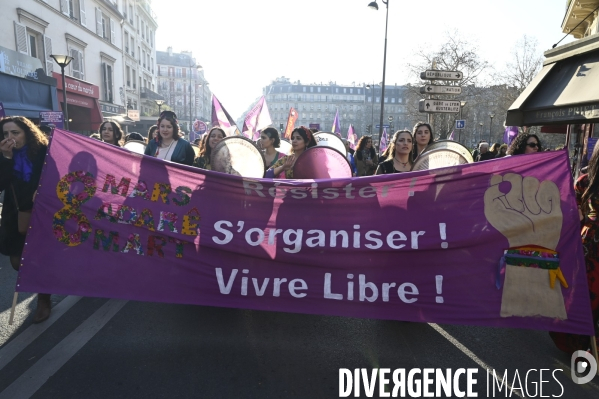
[
  {"x": 379, "y": 126},
  {"x": 460, "y": 124}
]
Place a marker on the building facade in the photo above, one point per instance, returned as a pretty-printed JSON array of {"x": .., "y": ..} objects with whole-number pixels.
[
  {"x": 112, "y": 45},
  {"x": 317, "y": 104},
  {"x": 182, "y": 83}
]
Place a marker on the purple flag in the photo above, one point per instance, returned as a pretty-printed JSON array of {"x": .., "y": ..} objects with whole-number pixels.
[
  {"x": 110, "y": 223},
  {"x": 510, "y": 133},
  {"x": 336, "y": 125},
  {"x": 257, "y": 119},
  {"x": 352, "y": 138},
  {"x": 384, "y": 141},
  {"x": 2, "y": 112},
  {"x": 451, "y": 135},
  {"x": 220, "y": 117}
]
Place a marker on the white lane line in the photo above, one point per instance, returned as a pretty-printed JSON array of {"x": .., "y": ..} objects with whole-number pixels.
[
  {"x": 471, "y": 355},
  {"x": 14, "y": 347},
  {"x": 21, "y": 313},
  {"x": 30, "y": 381}
]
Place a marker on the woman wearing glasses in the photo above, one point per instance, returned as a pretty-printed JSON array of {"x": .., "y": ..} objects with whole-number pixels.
[
  {"x": 366, "y": 158},
  {"x": 209, "y": 141},
  {"x": 400, "y": 154},
  {"x": 302, "y": 138},
  {"x": 168, "y": 144},
  {"x": 525, "y": 143}
]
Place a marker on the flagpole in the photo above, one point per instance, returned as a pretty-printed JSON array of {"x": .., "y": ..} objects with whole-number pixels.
[{"x": 384, "y": 70}]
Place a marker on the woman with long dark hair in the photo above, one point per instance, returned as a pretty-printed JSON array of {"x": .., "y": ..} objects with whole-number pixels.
[
  {"x": 525, "y": 143},
  {"x": 23, "y": 150},
  {"x": 366, "y": 158},
  {"x": 209, "y": 141},
  {"x": 400, "y": 154},
  {"x": 587, "y": 197},
  {"x": 302, "y": 138},
  {"x": 422, "y": 137},
  {"x": 169, "y": 144},
  {"x": 111, "y": 133}
]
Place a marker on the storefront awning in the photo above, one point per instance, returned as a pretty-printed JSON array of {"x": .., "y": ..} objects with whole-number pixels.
[
  {"x": 564, "y": 92},
  {"x": 23, "y": 97}
]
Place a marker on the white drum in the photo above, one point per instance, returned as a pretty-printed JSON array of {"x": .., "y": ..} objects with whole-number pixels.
[
  {"x": 285, "y": 147},
  {"x": 136, "y": 146},
  {"x": 330, "y": 140}
]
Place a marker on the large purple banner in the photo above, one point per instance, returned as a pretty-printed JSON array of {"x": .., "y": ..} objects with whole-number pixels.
[{"x": 494, "y": 243}]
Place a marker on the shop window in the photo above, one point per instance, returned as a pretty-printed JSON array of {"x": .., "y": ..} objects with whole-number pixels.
[{"x": 107, "y": 82}]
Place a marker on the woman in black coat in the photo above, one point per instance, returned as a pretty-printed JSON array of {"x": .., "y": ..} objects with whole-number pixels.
[{"x": 23, "y": 149}]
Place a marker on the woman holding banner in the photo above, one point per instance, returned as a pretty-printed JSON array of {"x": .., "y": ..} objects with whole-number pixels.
[
  {"x": 302, "y": 138},
  {"x": 270, "y": 141},
  {"x": 111, "y": 133},
  {"x": 209, "y": 141},
  {"x": 366, "y": 158},
  {"x": 587, "y": 197},
  {"x": 168, "y": 144},
  {"x": 23, "y": 150},
  {"x": 400, "y": 154},
  {"x": 422, "y": 137}
]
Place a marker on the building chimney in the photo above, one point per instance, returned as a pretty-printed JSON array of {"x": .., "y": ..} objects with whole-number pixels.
[{"x": 170, "y": 51}]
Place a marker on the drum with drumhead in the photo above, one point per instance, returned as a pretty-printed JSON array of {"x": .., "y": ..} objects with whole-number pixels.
[
  {"x": 196, "y": 149},
  {"x": 285, "y": 147},
  {"x": 321, "y": 163},
  {"x": 330, "y": 140},
  {"x": 239, "y": 156},
  {"x": 442, "y": 154},
  {"x": 136, "y": 146}
]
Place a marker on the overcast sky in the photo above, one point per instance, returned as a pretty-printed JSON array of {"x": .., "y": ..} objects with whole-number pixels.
[{"x": 244, "y": 44}]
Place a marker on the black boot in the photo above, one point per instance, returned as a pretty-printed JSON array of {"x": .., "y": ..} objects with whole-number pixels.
[{"x": 43, "y": 308}]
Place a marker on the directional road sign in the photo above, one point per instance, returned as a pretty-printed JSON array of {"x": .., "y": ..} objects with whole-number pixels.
[
  {"x": 432, "y": 106},
  {"x": 379, "y": 126},
  {"x": 433, "y": 89},
  {"x": 441, "y": 75},
  {"x": 460, "y": 124}
]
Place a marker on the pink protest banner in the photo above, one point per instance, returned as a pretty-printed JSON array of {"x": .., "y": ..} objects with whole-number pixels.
[{"x": 423, "y": 246}]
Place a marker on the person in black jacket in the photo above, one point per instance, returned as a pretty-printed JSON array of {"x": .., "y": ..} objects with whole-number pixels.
[
  {"x": 484, "y": 153},
  {"x": 169, "y": 144},
  {"x": 23, "y": 149}
]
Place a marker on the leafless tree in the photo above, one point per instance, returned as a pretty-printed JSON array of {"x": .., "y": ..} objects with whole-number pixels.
[
  {"x": 524, "y": 63},
  {"x": 456, "y": 54}
]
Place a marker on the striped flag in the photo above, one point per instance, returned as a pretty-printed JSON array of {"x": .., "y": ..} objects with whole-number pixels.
[
  {"x": 293, "y": 115},
  {"x": 256, "y": 120},
  {"x": 336, "y": 125},
  {"x": 220, "y": 117},
  {"x": 351, "y": 137}
]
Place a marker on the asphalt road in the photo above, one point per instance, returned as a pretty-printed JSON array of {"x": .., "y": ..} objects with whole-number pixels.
[{"x": 101, "y": 348}]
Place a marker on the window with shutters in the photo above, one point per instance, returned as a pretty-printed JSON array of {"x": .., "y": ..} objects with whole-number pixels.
[
  {"x": 77, "y": 64},
  {"x": 108, "y": 82}
]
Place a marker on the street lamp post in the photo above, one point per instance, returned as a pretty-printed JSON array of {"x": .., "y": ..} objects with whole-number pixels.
[
  {"x": 159, "y": 103},
  {"x": 462, "y": 105},
  {"x": 63, "y": 61},
  {"x": 480, "y": 135},
  {"x": 197, "y": 67},
  {"x": 491, "y": 126},
  {"x": 372, "y": 102},
  {"x": 374, "y": 6}
]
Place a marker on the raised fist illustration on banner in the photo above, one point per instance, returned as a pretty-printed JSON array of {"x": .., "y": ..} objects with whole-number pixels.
[{"x": 529, "y": 214}]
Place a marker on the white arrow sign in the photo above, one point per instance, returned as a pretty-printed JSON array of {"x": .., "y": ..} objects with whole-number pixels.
[
  {"x": 432, "y": 106},
  {"x": 433, "y": 89},
  {"x": 441, "y": 75}
]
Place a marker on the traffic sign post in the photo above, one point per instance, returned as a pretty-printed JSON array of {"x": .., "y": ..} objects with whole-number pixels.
[
  {"x": 434, "y": 106},
  {"x": 441, "y": 75},
  {"x": 434, "y": 89},
  {"x": 385, "y": 126},
  {"x": 460, "y": 124}
]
